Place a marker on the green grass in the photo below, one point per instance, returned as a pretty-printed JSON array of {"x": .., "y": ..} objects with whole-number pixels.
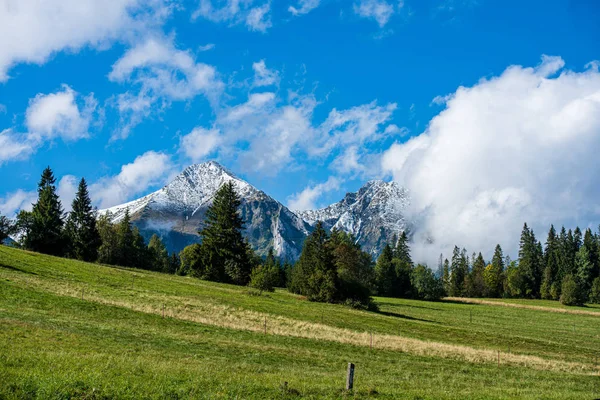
[{"x": 115, "y": 344}]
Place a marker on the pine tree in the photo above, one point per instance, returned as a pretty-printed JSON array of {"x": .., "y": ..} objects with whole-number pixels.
[
  {"x": 477, "y": 281},
  {"x": 125, "y": 252},
  {"x": 551, "y": 263},
  {"x": 457, "y": 274},
  {"x": 529, "y": 262},
  {"x": 493, "y": 274},
  {"x": 590, "y": 241},
  {"x": 159, "y": 257},
  {"x": 45, "y": 235},
  {"x": 584, "y": 268},
  {"x": 227, "y": 253},
  {"x": 81, "y": 229},
  {"x": 314, "y": 275},
  {"x": 385, "y": 272},
  {"x": 108, "y": 250},
  {"x": 446, "y": 283}
]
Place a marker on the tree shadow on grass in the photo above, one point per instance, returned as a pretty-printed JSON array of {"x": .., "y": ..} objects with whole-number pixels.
[
  {"x": 17, "y": 269},
  {"x": 407, "y": 317}
]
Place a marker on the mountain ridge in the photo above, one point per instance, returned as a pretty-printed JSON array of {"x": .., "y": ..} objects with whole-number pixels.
[{"x": 176, "y": 212}]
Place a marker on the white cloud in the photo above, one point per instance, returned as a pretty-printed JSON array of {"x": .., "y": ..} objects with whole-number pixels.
[
  {"x": 14, "y": 146},
  {"x": 379, "y": 10},
  {"x": 304, "y": 6},
  {"x": 67, "y": 189},
  {"x": 33, "y": 30},
  {"x": 520, "y": 147},
  {"x": 147, "y": 170},
  {"x": 306, "y": 199},
  {"x": 16, "y": 201},
  {"x": 162, "y": 72},
  {"x": 58, "y": 115},
  {"x": 234, "y": 12},
  {"x": 199, "y": 143},
  {"x": 206, "y": 47},
  {"x": 264, "y": 76}
]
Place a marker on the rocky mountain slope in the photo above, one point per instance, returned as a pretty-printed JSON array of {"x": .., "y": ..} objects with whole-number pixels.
[
  {"x": 373, "y": 215},
  {"x": 176, "y": 213}
]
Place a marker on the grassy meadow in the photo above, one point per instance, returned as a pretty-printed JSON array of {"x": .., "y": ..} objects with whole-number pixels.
[{"x": 76, "y": 330}]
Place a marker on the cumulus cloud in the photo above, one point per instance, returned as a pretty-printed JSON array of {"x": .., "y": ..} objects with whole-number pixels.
[
  {"x": 255, "y": 17},
  {"x": 64, "y": 114},
  {"x": 32, "y": 30},
  {"x": 306, "y": 199},
  {"x": 58, "y": 115},
  {"x": 162, "y": 73},
  {"x": 264, "y": 76},
  {"x": 379, "y": 10},
  {"x": 304, "y": 6},
  {"x": 147, "y": 170},
  {"x": 14, "y": 202},
  {"x": 199, "y": 143},
  {"x": 518, "y": 147}
]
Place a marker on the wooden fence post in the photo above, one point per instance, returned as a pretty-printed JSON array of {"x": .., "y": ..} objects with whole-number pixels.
[
  {"x": 350, "y": 377},
  {"x": 371, "y": 341}
]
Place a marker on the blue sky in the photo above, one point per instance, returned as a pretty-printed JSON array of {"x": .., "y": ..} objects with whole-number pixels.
[{"x": 304, "y": 103}]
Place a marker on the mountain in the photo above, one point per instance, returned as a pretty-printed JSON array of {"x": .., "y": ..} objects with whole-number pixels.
[
  {"x": 176, "y": 212},
  {"x": 373, "y": 215}
]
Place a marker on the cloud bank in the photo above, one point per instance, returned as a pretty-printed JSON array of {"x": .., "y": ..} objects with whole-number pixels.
[{"x": 522, "y": 146}]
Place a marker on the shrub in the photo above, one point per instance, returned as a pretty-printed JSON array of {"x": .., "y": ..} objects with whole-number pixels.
[
  {"x": 570, "y": 292},
  {"x": 595, "y": 292}
]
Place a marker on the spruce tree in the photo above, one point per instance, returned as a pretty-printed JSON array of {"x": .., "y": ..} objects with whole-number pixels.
[
  {"x": 494, "y": 273},
  {"x": 529, "y": 262},
  {"x": 584, "y": 268},
  {"x": 45, "y": 235},
  {"x": 590, "y": 241},
  {"x": 446, "y": 283},
  {"x": 159, "y": 257},
  {"x": 82, "y": 232},
  {"x": 457, "y": 273},
  {"x": 477, "y": 281},
  {"x": 108, "y": 250},
  {"x": 226, "y": 252},
  {"x": 125, "y": 252},
  {"x": 551, "y": 263}
]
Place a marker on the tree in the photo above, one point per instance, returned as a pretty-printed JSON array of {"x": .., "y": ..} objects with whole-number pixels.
[
  {"x": 529, "y": 260},
  {"x": 385, "y": 272},
  {"x": 225, "y": 250},
  {"x": 552, "y": 258},
  {"x": 125, "y": 252},
  {"x": 108, "y": 250},
  {"x": 477, "y": 287},
  {"x": 595, "y": 291},
  {"x": 314, "y": 274},
  {"x": 265, "y": 277},
  {"x": 494, "y": 273},
  {"x": 190, "y": 260},
  {"x": 81, "y": 230},
  {"x": 457, "y": 273},
  {"x": 426, "y": 285},
  {"x": 354, "y": 269},
  {"x": 7, "y": 228},
  {"x": 584, "y": 269},
  {"x": 174, "y": 263},
  {"x": 515, "y": 281},
  {"x": 45, "y": 233},
  {"x": 159, "y": 257},
  {"x": 570, "y": 293},
  {"x": 446, "y": 283}
]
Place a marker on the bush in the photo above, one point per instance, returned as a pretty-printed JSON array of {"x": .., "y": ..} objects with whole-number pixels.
[
  {"x": 264, "y": 278},
  {"x": 570, "y": 292},
  {"x": 425, "y": 284}
]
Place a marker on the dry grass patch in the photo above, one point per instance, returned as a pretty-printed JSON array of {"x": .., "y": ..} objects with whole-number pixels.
[{"x": 525, "y": 306}]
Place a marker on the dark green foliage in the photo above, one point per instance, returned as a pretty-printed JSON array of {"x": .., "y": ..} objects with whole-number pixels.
[
  {"x": 385, "y": 272},
  {"x": 108, "y": 250},
  {"x": 457, "y": 273},
  {"x": 225, "y": 253},
  {"x": 265, "y": 277},
  {"x": 426, "y": 285},
  {"x": 81, "y": 231},
  {"x": 570, "y": 292},
  {"x": 530, "y": 263},
  {"x": 446, "y": 277},
  {"x": 584, "y": 269},
  {"x": 477, "y": 287},
  {"x": 44, "y": 233},
  {"x": 7, "y": 228},
  {"x": 494, "y": 274},
  {"x": 190, "y": 259},
  {"x": 595, "y": 291},
  {"x": 158, "y": 255},
  {"x": 552, "y": 257}
]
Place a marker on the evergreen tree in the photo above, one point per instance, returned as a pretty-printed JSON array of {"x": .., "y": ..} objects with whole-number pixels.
[
  {"x": 125, "y": 252},
  {"x": 81, "y": 230},
  {"x": 108, "y": 250},
  {"x": 45, "y": 235},
  {"x": 529, "y": 259},
  {"x": 477, "y": 281},
  {"x": 551, "y": 263},
  {"x": 385, "y": 272},
  {"x": 457, "y": 273},
  {"x": 426, "y": 285},
  {"x": 159, "y": 257},
  {"x": 314, "y": 275},
  {"x": 140, "y": 255},
  {"x": 493, "y": 274},
  {"x": 584, "y": 268},
  {"x": 446, "y": 282},
  {"x": 226, "y": 252},
  {"x": 264, "y": 277},
  {"x": 590, "y": 241},
  {"x": 570, "y": 292},
  {"x": 174, "y": 263},
  {"x": 595, "y": 292}
]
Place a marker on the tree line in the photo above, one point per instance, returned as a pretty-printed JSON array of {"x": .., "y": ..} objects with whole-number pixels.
[
  {"x": 565, "y": 268},
  {"x": 332, "y": 267},
  {"x": 81, "y": 235}
]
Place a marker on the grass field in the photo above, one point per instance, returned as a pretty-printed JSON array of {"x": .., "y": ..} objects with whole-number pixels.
[{"x": 76, "y": 330}]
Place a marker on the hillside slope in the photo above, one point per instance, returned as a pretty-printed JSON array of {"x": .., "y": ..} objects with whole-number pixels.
[{"x": 101, "y": 332}]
